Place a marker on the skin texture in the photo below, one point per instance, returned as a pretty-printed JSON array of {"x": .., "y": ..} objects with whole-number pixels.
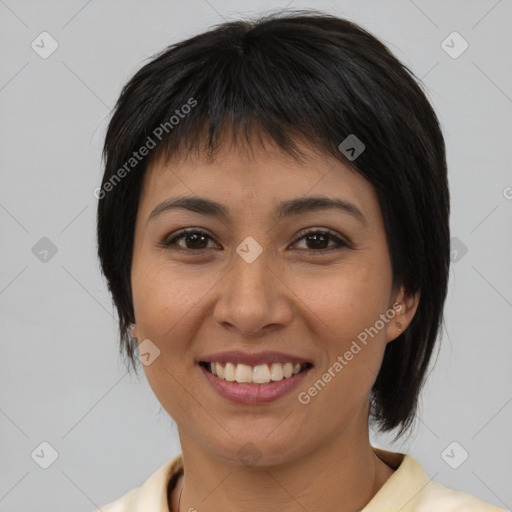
[{"x": 314, "y": 456}]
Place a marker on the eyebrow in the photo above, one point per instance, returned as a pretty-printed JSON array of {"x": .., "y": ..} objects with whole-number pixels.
[{"x": 283, "y": 210}]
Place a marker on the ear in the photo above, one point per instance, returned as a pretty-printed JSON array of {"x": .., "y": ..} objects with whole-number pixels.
[
  {"x": 404, "y": 305},
  {"x": 132, "y": 330}
]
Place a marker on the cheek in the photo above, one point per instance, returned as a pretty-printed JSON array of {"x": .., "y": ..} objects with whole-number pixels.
[
  {"x": 163, "y": 296},
  {"x": 345, "y": 300},
  {"x": 344, "y": 308},
  {"x": 165, "y": 301},
  {"x": 344, "y": 314}
]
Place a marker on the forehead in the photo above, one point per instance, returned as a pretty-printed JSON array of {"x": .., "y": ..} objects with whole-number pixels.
[{"x": 260, "y": 176}]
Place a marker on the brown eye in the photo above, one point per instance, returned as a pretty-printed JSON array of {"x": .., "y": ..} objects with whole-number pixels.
[
  {"x": 195, "y": 241},
  {"x": 318, "y": 241}
]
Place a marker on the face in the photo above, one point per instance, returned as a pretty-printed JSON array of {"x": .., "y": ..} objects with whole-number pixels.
[{"x": 305, "y": 284}]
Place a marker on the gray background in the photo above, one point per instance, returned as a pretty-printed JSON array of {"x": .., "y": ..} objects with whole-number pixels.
[{"x": 61, "y": 378}]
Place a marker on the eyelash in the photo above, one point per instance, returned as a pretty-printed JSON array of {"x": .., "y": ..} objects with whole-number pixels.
[{"x": 168, "y": 242}]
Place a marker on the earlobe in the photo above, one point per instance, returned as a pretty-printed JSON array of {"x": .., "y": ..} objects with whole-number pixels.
[
  {"x": 394, "y": 330},
  {"x": 132, "y": 330},
  {"x": 405, "y": 306}
]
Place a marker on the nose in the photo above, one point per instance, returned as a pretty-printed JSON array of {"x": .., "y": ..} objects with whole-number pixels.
[{"x": 253, "y": 298}]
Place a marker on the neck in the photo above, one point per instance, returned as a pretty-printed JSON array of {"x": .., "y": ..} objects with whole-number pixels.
[{"x": 342, "y": 475}]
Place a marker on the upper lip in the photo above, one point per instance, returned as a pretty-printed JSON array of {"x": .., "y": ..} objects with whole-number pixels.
[{"x": 237, "y": 356}]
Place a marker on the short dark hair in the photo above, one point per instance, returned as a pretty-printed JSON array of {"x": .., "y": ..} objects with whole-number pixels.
[{"x": 288, "y": 76}]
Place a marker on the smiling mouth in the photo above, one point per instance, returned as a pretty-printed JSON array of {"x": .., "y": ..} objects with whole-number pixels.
[{"x": 259, "y": 374}]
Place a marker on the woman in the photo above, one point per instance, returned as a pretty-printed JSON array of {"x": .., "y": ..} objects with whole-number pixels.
[{"x": 273, "y": 224}]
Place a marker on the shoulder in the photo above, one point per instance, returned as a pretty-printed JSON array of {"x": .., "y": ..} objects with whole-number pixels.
[
  {"x": 125, "y": 503},
  {"x": 410, "y": 489},
  {"x": 443, "y": 499},
  {"x": 152, "y": 494}
]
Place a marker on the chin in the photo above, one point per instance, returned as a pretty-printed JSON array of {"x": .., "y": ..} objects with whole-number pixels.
[{"x": 257, "y": 450}]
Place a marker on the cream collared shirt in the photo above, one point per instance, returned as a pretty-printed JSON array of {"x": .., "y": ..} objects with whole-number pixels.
[{"x": 409, "y": 489}]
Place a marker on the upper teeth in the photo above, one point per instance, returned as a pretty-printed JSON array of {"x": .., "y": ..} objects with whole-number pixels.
[{"x": 260, "y": 374}]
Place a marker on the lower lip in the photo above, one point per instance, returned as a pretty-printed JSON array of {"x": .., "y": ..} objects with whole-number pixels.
[{"x": 254, "y": 393}]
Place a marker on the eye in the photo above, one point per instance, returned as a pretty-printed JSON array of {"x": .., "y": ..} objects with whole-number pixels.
[
  {"x": 197, "y": 241},
  {"x": 318, "y": 240}
]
